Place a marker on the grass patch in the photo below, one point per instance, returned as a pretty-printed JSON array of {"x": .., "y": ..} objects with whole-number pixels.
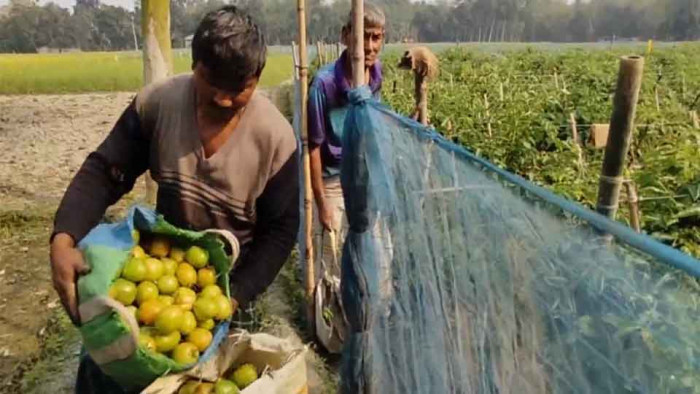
[
  {"x": 100, "y": 72},
  {"x": 58, "y": 354},
  {"x": 23, "y": 228},
  {"x": 291, "y": 282},
  {"x": 55, "y": 365}
]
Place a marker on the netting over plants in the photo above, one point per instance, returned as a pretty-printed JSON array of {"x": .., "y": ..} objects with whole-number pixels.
[{"x": 482, "y": 282}]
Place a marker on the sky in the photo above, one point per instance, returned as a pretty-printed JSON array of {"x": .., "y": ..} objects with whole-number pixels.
[{"x": 128, "y": 4}]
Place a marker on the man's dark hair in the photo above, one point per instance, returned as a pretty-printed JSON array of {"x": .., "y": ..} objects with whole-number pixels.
[{"x": 231, "y": 46}]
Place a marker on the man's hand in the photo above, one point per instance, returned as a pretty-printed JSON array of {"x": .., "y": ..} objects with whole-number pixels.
[
  {"x": 67, "y": 264},
  {"x": 234, "y": 306},
  {"x": 325, "y": 215}
]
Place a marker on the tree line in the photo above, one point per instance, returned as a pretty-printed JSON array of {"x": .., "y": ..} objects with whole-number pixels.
[{"x": 27, "y": 27}]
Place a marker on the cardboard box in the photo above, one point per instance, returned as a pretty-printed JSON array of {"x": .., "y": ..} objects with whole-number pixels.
[
  {"x": 599, "y": 135},
  {"x": 281, "y": 365}
]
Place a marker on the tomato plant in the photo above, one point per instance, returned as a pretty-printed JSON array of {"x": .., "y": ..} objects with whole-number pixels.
[{"x": 531, "y": 136}]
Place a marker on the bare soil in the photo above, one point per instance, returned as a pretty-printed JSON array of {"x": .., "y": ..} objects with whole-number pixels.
[{"x": 43, "y": 140}]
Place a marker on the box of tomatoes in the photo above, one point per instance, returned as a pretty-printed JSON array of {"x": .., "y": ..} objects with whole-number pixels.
[{"x": 156, "y": 300}]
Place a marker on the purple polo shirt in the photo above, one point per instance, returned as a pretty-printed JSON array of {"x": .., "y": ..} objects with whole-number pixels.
[{"x": 327, "y": 107}]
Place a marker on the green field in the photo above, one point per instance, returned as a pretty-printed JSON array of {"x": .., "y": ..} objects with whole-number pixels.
[
  {"x": 525, "y": 129},
  {"x": 100, "y": 72}
]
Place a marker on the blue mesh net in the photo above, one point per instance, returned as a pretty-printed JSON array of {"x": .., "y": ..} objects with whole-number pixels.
[{"x": 459, "y": 277}]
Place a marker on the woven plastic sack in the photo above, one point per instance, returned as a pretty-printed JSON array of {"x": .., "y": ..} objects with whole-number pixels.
[
  {"x": 494, "y": 285},
  {"x": 109, "y": 331}
]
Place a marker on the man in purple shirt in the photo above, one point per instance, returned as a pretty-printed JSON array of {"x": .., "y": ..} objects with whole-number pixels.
[{"x": 327, "y": 107}]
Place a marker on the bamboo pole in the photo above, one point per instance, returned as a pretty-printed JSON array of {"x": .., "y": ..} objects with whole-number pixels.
[
  {"x": 488, "y": 115},
  {"x": 577, "y": 141},
  {"x": 563, "y": 84},
  {"x": 295, "y": 58},
  {"x": 310, "y": 277},
  {"x": 319, "y": 54},
  {"x": 422, "y": 98},
  {"x": 683, "y": 89},
  {"x": 157, "y": 58},
  {"x": 633, "y": 202},
  {"x": 621, "y": 125},
  {"x": 358, "y": 39},
  {"x": 656, "y": 99},
  {"x": 694, "y": 119}
]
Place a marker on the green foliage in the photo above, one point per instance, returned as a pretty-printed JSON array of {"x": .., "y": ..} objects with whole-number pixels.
[
  {"x": 100, "y": 27},
  {"x": 530, "y": 134},
  {"x": 100, "y": 71}
]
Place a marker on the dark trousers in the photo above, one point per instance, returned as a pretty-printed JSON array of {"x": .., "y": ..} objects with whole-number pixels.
[{"x": 91, "y": 379}]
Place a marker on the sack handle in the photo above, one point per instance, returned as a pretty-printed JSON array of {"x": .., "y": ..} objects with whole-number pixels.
[
  {"x": 231, "y": 240},
  {"x": 120, "y": 349},
  {"x": 334, "y": 248}
]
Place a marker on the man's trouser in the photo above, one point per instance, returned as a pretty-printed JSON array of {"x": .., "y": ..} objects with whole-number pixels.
[{"x": 328, "y": 245}]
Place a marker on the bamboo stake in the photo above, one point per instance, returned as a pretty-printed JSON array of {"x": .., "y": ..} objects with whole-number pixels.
[
  {"x": 295, "y": 58},
  {"x": 683, "y": 90},
  {"x": 358, "y": 38},
  {"x": 694, "y": 119},
  {"x": 157, "y": 59},
  {"x": 656, "y": 98},
  {"x": 319, "y": 53},
  {"x": 633, "y": 202},
  {"x": 488, "y": 116},
  {"x": 500, "y": 91},
  {"x": 577, "y": 141},
  {"x": 563, "y": 84},
  {"x": 310, "y": 278},
  {"x": 621, "y": 126},
  {"x": 421, "y": 91},
  {"x": 556, "y": 80}
]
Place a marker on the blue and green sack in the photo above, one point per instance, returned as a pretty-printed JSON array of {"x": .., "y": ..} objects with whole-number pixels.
[{"x": 109, "y": 331}]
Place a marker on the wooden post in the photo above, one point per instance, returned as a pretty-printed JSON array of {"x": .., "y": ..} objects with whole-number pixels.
[
  {"x": 577, "y": 141},
  {"x": 310, "y": 277},
  {"x": 694, "y": 119},
  {"x": 358, "y": 39},
  {"x": 563, "y": 84},
  {"x": 488, "y": 115},
  {"x": 295, "y": 58},
  {"x": 157, "y": 57},
  {"x": 621, "y": 125},
  {"x": 683, "y": 89},
  {"x": 501, "y": 92},
  {"x": 633, "y": 202},
  {"x": 556, "y": 80},
  {"x": 656, "y": 98},
  {"x": 319, "y": 53},
  {"x": 133, "y": 33}
]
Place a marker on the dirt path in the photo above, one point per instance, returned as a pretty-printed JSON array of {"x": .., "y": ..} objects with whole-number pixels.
[{"x": 44, "y": 140}]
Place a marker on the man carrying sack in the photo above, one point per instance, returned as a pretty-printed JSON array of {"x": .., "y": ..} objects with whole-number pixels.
[{"x": 223, "y": 157}]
